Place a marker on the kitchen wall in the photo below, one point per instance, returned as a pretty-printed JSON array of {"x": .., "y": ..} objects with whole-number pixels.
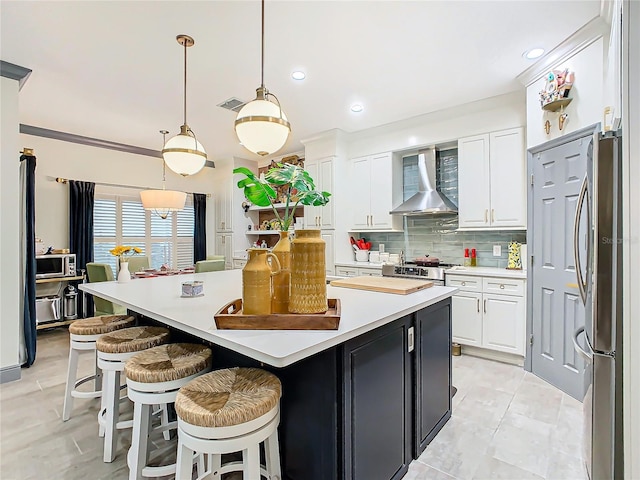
[
  {"x": 437, "y": 236},
  {"x": 56, "y": 158}
]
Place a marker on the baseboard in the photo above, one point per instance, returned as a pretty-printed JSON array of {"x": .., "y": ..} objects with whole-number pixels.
[
  {"x": 493, "y": 355},
  {"x": 10, "y": 374}
]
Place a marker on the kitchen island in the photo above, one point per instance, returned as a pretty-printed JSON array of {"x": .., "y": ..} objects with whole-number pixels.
[{"x": 358, "y": 402}]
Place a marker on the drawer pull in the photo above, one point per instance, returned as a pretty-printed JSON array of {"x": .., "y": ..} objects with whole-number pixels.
[
  {"x": 464, "y": 284},
  {"x": 501, "y": 286},
  {"x": 485, "y": 306},
  {"x": 478, "y": 302}
]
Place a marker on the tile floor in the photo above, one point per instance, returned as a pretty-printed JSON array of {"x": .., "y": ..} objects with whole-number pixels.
[{"x": 506, "y": 424}]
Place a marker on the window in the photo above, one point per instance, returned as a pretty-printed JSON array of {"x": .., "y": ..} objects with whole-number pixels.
[{"x": 121, "y": 220}]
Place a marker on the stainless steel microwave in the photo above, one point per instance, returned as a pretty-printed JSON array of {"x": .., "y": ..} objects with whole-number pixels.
[{"x": 51, "y": 266}]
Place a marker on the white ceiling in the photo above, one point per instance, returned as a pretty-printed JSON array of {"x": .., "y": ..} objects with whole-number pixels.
[{"x": 113, "y": 70}]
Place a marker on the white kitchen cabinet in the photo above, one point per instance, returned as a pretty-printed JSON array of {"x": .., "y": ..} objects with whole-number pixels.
[
  {"x": 370, "y": 272},
  {"x": 483, "y": 318},
  {"x": 224, "y": 246},
  {"x": 492, "y": 181},
  {"x": 372, "y": 193},
  {"x": 329, "y": 253},
  {"x": 321, "y": 171},
  {"x": 342, "y": 271},
  {"x": 239, "y": 263},
  {"x": 467, "y": 318},
  {"x": 223, "y": 201}
]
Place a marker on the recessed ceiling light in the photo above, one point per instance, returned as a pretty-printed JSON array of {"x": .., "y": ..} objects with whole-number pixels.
[
  {"x": 533, "y": 53},
  {"x": 298, "y": 75},
  {"x": 357, "y": 108}
]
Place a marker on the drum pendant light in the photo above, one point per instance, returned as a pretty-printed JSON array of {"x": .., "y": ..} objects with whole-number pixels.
[
  {"x": 161, "y": 202},
  {"x": 183, "y": 153},
  {"x": 261, "y": 125}
]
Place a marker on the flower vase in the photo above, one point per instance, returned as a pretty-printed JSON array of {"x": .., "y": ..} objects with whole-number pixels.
[
  {"x": 124, "y": 275},
  {"x": 256, "y": 282},
  {"x": 282, "y": 282},
  {"x": 308, "y": 273}
]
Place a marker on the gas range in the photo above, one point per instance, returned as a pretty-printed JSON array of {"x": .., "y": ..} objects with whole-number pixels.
[{"x": 408, "y": 270}]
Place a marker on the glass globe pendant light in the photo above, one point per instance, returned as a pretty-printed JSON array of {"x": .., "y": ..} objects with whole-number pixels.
[
  {"x": 183, "y": 153},
  {"x": 161, "y": 202},
  {"x": 261, "y": 125}
]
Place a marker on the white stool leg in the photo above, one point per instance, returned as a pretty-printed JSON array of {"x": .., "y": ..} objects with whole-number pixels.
[
  {"x": 272, "y": 456},
  {"x": 184, "y": 462},
  {"x": 72, "y": 371},
  {"x": 98, "y": 379},
  {"x": 251, "y": 460},
  {"x": 164, "y": 420},
  {"x": 112, "y": 404},
  {"x": 139, "y": 440},
  {"x": 215, "y": 463},
  {"x": 202, "y": 464}
]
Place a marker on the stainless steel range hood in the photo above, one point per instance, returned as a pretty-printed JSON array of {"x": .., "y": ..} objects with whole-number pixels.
[{"x": 428, "y": 201}]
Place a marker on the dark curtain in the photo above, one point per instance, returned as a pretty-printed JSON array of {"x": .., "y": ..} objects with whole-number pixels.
[
  {"x": 200, "y": 228},
  {"x": 29, "y": 315},
  {"x": 81, "y": 199}
]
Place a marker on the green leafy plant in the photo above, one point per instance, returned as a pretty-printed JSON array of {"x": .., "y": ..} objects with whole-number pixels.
[{"x": 295, "y": 184}]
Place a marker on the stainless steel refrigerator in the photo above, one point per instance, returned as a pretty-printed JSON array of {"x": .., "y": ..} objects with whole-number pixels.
[{"x": 600, "y": 284}]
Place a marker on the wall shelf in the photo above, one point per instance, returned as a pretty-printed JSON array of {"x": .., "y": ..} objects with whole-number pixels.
[
  {"x": 262, "y": 232},
  {"x": 61, "y": 323},
  {"x": 58, "y": 279},
  {"x": 557, "y": 104}
]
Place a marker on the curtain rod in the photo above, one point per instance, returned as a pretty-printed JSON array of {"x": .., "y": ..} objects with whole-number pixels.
[{"x": 66, "y": 180}]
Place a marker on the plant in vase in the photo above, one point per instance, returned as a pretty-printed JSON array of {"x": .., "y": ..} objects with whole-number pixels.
[
  {"x": 297, "y": 188},
  {"x": 123, "y": 252}
]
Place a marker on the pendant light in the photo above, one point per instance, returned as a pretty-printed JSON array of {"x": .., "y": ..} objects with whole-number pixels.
[
  {"x": 161, "y": 202},
  {"x": 183, "y": 153},
  {"x": 261, "y": 125}
]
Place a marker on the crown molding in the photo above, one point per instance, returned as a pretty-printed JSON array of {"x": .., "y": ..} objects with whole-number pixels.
[
  {"x": 14, "y": 72},
  {"x": 93, "y": 142},
  {"x": 578, "y": 41}
]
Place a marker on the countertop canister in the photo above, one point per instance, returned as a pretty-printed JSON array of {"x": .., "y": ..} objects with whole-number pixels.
[
  {"x": 256, "y": 282},
  {"x": 308, "y": 272},
  {"x": 282, "y": 282}
]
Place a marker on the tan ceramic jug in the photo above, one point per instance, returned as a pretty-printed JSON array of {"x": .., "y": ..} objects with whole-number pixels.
[
  {"x": 308, "y": 273},
  {"x": 256, "y": 282},
  {"x": 282, "y": 282}
]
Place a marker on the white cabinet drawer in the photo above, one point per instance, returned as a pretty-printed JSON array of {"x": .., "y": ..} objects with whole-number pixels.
[
  {"x": 466, "y": 283},
  {"x": 346, "y": 272},
  {"x": 503, "y": 286},
  {"x": 372, "y": 272},
  {"x": 239, "y": 263}
]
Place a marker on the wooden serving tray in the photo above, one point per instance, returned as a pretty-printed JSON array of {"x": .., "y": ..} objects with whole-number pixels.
[{"x": 230, "y": 317}]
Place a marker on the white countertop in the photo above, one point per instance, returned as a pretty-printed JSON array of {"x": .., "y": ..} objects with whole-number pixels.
[
  {"x": 159, "y": 298},
  {"x": 487, "y": 272}
]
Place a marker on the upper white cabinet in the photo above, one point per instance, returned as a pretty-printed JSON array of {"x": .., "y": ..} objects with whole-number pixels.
[
  {"x": 321, "y": 171},
  {"x": 223, "y": 200},
  {"x": 492, "y": 181},
  {"x": 371, "y": 198}
]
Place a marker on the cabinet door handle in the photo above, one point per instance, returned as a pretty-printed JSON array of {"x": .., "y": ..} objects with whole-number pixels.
[
  {"x": 485, "y": 306},
  {"x": 478, "y": 302},
  {"x": 501, "y": 286},
  {"x": 372, "y": 220},
  {"x": 410, "y": 340},
  {"x": 464, "y": 284},
  {"x": 492, "y": 215},
  {"x": 486, "y": 212}
]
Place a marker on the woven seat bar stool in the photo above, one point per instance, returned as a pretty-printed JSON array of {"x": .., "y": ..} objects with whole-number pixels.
[
  {"x": 226, "y": 411},
  {"x": 114, "y": 349},
  {"x": 83, "y": 336},
  {"x": 154, "y": 377}
]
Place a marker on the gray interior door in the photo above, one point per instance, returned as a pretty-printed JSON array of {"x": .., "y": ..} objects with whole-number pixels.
[{"x": 557, "y": 309}]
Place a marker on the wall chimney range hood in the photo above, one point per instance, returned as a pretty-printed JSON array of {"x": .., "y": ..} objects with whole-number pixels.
[{"x": 428, "y": 201}]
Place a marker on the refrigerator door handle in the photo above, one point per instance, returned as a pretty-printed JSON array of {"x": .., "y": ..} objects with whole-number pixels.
[
  {"x": 583, "y": 353},
  {"x": 582, "y": 287}
]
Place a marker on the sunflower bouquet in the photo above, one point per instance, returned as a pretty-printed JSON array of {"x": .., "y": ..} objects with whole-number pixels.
[{"x": 124, "y": 251}]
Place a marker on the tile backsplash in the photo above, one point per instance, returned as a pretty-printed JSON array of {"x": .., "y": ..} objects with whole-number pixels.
[{"x": 437, "y": 236}]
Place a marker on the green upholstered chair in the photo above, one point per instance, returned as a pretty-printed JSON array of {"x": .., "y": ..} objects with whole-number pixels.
[
  {"x": 210, "y": 265},
  {"x": 215, "y": 257},
  {"x": 101, "y": 272},
  {"x": 137, "y": 264}
]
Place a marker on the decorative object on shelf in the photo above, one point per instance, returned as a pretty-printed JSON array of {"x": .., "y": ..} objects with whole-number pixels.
[
  {"x": 183, "y": 153},
  {"x": 308, "y": 271},
  {"x": 161, "y": 202},
  {"x": 555, "y": 96},
  {"x": 296, "y": 183},
  {"x": 547, "y": 127},
  {"x": 514, "y": 259},
  {"x": 245, "y": 207},
  {"x": 261, "y": 125},
  {"x": 232, "y": 317},
  {"x": 256, "y": 281},
  {"x": 282, "y": 282}
]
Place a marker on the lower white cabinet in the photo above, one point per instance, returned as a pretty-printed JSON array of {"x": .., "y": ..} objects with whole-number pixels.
[
  {"x": 224, "y": 246},
  {"x": 345, "y": 271},
  {"x": 485, "y": 319},
  {"x": 239, "y": 263}
]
